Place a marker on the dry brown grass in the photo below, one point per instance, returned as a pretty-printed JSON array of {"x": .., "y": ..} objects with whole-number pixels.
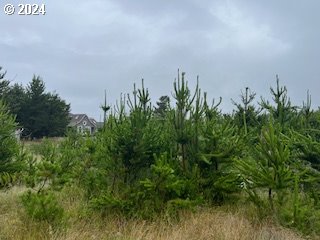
[{"x": 204, "y": 224}]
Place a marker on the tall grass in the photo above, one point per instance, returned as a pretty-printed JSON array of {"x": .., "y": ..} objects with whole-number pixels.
[{"x": 207, "y": 223}]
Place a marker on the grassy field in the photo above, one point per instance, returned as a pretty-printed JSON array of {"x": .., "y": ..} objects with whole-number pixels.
[{"x": 214, "y": 223}]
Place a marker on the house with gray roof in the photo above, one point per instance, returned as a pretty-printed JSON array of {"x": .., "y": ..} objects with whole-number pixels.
[{"x": 82, "y": 123}]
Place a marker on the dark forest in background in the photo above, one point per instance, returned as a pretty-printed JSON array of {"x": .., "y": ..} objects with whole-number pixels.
[{"x": 40, "y": 113}]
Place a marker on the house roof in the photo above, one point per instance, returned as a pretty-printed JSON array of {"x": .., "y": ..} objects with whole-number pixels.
[
  {"x": 75, "y": 119},
  {"x": 93, "y": 121}
]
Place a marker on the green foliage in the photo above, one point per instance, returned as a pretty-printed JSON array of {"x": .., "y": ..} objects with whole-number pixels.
[
  {"x": 48, "y": 168},
  {"x": 30, "y": 169},
  {"x": 282, "y": 111},
  {"x": 72, "y": 157},
  {"x": 163, "y": 106},
  {"x": 6, "y": 180},
  {"x": 16, "y": 100},
  {"x": 45, "y": 114},
  {"x": 300, "y": 211},
  {"x": 270, "y": 167},
  {"x": 275, "y": 171},
  {"x": 129, "y": 142},
  {"x": 145, "y": 163},
  {"x": 163, "y": 192},
  {"x": 8, "y": 142},
  {"x": 246, "y": 115},
  {"x": 39, "y": 113},
  {"x": 307, "y": 148},
  {"x": 149, "y": 162},
  {"x": 43, "y": 207},
  {"x": 175, "y": 206},
  {"x": 161, "y": 187},
  {"x": 52, "y": 165},
  {"x": 4, "y": 84},
  {"x": 107, "y": 203},
  {"x": 182, "y": 125},
  {"x": 221, "y": 144}
]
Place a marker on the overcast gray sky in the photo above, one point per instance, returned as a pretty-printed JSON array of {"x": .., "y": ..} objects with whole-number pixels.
[{"x": 82, "y": 47}]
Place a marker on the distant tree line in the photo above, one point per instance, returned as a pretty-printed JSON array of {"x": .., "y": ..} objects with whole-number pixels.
[{"x": 40, "y": 113}]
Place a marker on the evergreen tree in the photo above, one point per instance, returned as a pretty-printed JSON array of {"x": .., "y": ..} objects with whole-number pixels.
[
  {"x": 16, "y": 102},
  {"x": 182, "y": 125},
  {"x": 4, "y": 85},
  {"x": 36, "y": 118},
  {"x": 246, "y": 114},
  {"x": 58, "y": 112},
  {"x": 8, "y": 143},
  {"x": 283, "y": 112},
  {"x": 269, "y": 167},
  {"x": 162, "y": 106},
  {"x": 42, "y": 114}
]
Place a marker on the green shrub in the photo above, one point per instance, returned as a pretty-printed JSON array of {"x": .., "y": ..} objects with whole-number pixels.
[
  {"x": 107, "y": 203},
  {"x": 43, "y": 206},
  {"x": 300, "y": 211},
  {"x": 163, "y": 189}
]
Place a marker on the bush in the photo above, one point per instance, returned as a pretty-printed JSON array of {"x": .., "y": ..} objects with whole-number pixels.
[
  {"x": 106, "y": 203},
  {"x": 43, "y": 206},
  {"x": 163, "y": 191}
]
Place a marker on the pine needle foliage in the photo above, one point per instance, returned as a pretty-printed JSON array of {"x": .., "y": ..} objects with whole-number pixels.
[{"x": 150, "y": 162}]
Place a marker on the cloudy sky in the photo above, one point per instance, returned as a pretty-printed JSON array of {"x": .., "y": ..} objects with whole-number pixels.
[{"x": 82, "y": 47}]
